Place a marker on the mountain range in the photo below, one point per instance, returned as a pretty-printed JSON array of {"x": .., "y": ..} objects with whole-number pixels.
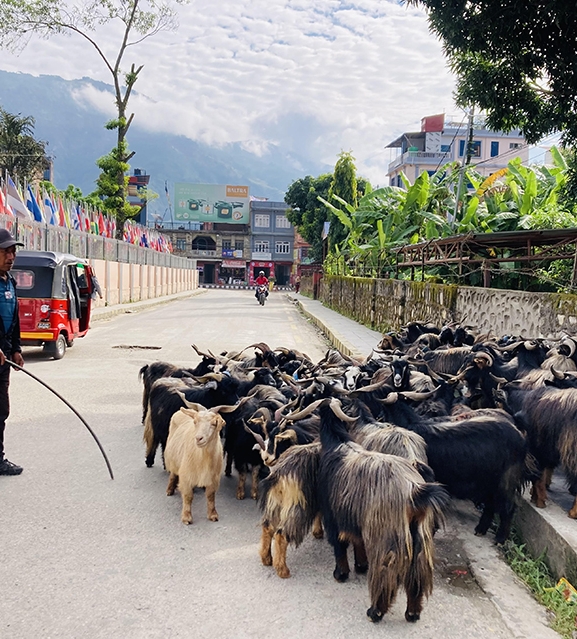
[{"x": 76, "y": 138}]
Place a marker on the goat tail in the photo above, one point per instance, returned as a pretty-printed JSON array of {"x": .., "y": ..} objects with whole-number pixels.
[{"x": 142, "y": 372}]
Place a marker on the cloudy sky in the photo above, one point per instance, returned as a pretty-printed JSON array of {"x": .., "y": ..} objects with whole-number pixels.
[{"x": 315, "y": 76}]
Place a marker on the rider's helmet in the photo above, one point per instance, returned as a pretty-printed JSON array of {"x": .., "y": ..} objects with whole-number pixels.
[{"x": 261, "y": 272}]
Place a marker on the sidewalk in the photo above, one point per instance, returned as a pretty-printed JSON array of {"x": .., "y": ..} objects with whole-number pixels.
[{"x": 547, "y": 531}]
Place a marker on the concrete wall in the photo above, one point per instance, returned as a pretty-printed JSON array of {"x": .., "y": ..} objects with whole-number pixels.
[
  {"x": 122, "y": 283},
  {"x": 389, "y": 304}
]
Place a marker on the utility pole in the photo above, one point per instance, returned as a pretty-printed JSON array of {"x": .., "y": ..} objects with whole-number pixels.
[{"x": 467, "y": 153}]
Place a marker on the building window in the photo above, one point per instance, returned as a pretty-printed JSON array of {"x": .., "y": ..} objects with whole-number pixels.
[
  {"x": 494, "y": 149},
  {"x": 445, "y": 148},
  {"x": 261, "y": 246},
  {"x": 282, "y": 222},
  {"x": 282, "y": 247},
  {"x": 226, "y": 245},
  {"x": 262, "y": 221},
  {"x": 238, "y": 245},
  {"x": 181, "y": 244},
  {"x": 515, "y": 145},
  {"x": 475, "y": 151}
]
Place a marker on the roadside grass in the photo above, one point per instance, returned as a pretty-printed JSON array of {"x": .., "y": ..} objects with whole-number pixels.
[{"x": 536, "y": 575}]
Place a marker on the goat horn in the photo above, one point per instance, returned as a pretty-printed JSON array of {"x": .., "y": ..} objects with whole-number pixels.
[
  {"x": 371, "y": 387},
  {"x": 335, "y": 406},
  {"x": 193, "y": 405},
  {"x": 306, "y": 411},
  {"x": 499, "y": 380},
  {"x": 460, "y": 376},
  {"x": 391, "y": 398},
  {"x": 259, "y": 439},
  {"x": 482, "y": 355},
  {"x": 530, "y": 344},
  {"x": 217, "y": 377},
  {"x": 417, "y": 397},
  {"x": 570, "y": 344},
  {"x": 557, "y": 374},
  {"x": 228, "y": 408},
  {"x": 511, "y": 347}
]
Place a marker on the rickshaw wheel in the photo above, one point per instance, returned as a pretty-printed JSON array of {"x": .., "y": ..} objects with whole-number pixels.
[{"x": 57, "y": 349}]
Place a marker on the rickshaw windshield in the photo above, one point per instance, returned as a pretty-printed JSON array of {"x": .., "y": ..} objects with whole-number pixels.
[{"x": 33, "y": 281}]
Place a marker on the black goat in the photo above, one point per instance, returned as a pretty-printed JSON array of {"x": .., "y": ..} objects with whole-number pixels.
[{"x": 383, "y": 506}]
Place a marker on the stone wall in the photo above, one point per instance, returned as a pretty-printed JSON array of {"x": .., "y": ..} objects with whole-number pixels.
[{"x": 389, "y": 304}]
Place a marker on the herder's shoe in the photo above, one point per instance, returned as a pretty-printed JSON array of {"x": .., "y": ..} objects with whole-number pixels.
[{"x": 8, "y": 468}]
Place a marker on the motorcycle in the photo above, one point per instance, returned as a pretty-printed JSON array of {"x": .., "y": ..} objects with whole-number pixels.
[{"x": 261, "y": 294}]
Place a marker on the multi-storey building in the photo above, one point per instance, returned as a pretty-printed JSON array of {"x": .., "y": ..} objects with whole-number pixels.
[
  {"x": 443, "y": 139},
  {"x": 231, "y": 237},
  {"x": 272, "y": 242}
]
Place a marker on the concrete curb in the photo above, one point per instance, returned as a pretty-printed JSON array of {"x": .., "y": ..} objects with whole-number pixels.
[{"x": 106, "y": 312}]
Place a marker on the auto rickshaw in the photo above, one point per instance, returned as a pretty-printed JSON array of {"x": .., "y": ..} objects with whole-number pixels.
[{"x": 55, "y": 293}]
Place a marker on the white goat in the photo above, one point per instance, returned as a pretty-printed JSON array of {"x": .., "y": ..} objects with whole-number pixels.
[{"x": 194, "y": 456}]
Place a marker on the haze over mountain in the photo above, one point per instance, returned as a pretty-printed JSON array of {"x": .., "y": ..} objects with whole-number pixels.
[{"x": 76, "y": 138}]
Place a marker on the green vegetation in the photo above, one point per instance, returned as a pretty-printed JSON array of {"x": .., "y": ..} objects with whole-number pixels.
[
  {"x": 21, "y": 154},
  {"x": 20, "y": 20},
  {"x": 535, "y": 574}
]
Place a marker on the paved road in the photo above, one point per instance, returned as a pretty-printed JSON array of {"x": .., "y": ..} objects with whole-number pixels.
[{"x": 84, "y": 556}]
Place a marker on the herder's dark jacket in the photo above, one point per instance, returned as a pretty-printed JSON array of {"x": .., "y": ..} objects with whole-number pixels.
[{"x": 10, "y": 343}]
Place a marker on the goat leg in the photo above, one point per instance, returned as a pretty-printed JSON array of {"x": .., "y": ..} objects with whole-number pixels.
[
  {"x": 240, "y": 487},
  {"x": 265, "y": 545},
  {"x": 211, "y": 513},
  {"x": 487, "y": 516},
  {"x": 318, "y": 532},
  {"x": 254, "y": 485},
  {"x": 279, "y": 558},
  {"x": 172, "y": 483},
  {"x": 361, "y": 561},
  {"x": 342, "y": 570},
  {"x": 539, "y": 490},
  {"x": 187, "y": 495}
]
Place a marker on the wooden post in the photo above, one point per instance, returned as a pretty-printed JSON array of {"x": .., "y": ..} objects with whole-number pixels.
[{"x": 486, "y": 274}]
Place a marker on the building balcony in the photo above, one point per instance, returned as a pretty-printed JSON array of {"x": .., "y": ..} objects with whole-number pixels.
[
  {"x": 203, "y": 253},
  {"x": 419, "y": 157}
]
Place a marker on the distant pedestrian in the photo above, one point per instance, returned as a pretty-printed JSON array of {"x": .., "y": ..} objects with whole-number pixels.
[
  {"x": 297, "y": 284},
  {"x": 9, "y": 338}
]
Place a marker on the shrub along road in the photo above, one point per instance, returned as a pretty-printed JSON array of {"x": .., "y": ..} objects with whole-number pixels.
[{"x": 85, "y": 556}]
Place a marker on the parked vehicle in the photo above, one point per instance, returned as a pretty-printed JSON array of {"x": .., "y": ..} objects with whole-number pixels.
[
  {"x": 261, "y": 294},
  {"x": 55, "y": 293}
]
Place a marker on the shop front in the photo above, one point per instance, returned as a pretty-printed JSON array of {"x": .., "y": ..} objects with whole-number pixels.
[{"x": 232, "y": 272}]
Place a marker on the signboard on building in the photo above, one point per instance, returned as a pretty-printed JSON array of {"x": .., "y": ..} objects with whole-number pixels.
[{"x": 223, "y": 203}]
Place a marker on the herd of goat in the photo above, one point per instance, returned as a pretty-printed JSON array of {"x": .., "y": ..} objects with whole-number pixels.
[{"x": 370, "y": 452}]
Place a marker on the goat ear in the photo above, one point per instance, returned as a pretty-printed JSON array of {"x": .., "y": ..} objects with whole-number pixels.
[{"x": 289, "y": 434}]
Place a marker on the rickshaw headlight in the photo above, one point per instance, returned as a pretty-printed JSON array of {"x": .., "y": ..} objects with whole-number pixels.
[{"x": 44, "y": 308}]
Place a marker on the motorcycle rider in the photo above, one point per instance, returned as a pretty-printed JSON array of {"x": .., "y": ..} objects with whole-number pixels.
[{"x": 261, "y": 280}]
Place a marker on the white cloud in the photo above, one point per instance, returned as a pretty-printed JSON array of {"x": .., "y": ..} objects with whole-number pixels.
[{"x": 313, "y": 76}]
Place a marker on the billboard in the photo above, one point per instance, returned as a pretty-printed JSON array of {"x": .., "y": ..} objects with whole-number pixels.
[{"x": 211, "y": 203}]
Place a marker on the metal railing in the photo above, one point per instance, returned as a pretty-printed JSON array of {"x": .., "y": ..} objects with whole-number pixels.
[{"x": 37, "y": 236}]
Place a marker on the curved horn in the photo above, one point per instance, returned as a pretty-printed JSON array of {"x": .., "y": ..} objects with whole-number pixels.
[
  {"x": 391, "y": 398},
  {"x": 499, "y": 380},
  {"x": 417, "y": 397},
  {"x": 570, "y": 345},
  {"x": 259, "y": 439},
  {"x": 228, "y": 408},
  {"x": 460, "y": 376},
  {"x": 530, "y": 344},
  {"x": 193, "y": 405},
  {"x": 306, "y": 411},
  {"x": 481, "y": 355},
  {"x": 557, "y": 374},
  {"x": 217, "y": 377},
  {"x": 335, "y": 406},
  {"x": 511, "y": 347}
]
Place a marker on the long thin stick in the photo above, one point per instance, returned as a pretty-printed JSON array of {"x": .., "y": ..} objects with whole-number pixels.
[{"x": 20, "y": 368}]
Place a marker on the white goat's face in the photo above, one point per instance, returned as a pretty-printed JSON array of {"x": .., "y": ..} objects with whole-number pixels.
[
  {"x": 351, "y": 376},
  {"x": 208, "y": 425}
]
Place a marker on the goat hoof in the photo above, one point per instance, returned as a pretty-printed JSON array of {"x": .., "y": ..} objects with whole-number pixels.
[
  {"x": 267, "y": 560},
  {"x": 149, "y": 464},
  {"x": 187, "y": 522},
  {"x": 283, "y": 573},
  {"x": 412, "y": 617},
  {"x": 318, "y": 534},
  {"x": 240, "y": 496},
  {"x": 213, "y": 517},
  {"x": 374, "y": 614},
  {"x": 361, "y": 569},
  {"x": 341, "y": 577},
  {"x": 480, "y": 532}
]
